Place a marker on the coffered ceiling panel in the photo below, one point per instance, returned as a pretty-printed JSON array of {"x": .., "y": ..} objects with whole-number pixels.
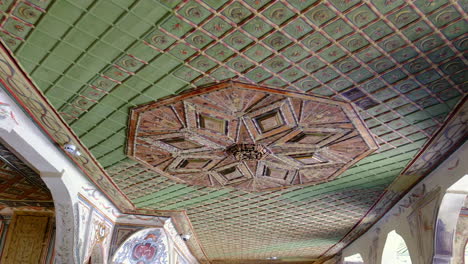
[
  {"x": 400, "y": 63},
  {"x": 248, "y": 137}
]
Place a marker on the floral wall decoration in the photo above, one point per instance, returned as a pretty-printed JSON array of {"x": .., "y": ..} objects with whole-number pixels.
[{"x": 144, "y": 247}]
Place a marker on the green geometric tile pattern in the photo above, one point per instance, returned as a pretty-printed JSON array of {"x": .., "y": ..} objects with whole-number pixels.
[{"x": 401, "y": 63}]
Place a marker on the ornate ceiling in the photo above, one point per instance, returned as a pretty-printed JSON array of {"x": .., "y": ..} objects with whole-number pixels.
[
  {"x": 248, "y": 137},
  {"x": 400, "y": 63}
]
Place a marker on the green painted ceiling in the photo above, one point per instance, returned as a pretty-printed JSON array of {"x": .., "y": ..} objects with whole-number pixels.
[{"x": 401, "y": 63}]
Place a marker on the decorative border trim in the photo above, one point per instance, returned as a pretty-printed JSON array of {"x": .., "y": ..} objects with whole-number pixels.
[{"x": 434, "y": 143}]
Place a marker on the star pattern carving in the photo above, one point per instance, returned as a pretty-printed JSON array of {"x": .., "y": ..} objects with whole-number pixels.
[{"x": 248, "y": 137}]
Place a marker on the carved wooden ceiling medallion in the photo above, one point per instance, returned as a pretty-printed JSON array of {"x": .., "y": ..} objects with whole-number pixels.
[{"x": 248, "y": 137}]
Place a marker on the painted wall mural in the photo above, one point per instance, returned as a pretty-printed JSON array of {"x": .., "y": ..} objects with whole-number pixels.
[
  {"x": 7, "y": 117},
  {"x": 144, "y": 247},
  {"x": 423, "y": 219},
  {"x": 120, "y": 234},
  {"x": 442, "y": 144},
  {"x": 93, "y": 231},
  {"x": 447, "y": 219},
  {"x": 102, "y": 225}
]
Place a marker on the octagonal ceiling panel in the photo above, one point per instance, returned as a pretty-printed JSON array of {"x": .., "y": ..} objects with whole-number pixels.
[{"x": 248, "y": 137}]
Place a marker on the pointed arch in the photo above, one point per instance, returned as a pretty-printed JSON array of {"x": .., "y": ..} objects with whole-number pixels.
[
  {"x": 395, "y": 250},
  {"x": 447, "y": 219}
]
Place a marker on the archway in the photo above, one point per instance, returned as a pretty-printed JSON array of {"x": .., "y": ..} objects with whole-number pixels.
[
  {"x": 395, "y": 250},
  {"x": 460, "y": 252},
  {"x": 447, "y": 220}
]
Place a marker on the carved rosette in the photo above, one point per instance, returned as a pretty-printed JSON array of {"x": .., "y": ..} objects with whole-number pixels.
[
  {"x": 246, "y": 152},
  {"x": 248, "y": 137}
]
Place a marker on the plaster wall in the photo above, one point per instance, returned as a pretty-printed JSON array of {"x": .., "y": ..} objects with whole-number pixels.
[{"x": 414, "y": 217}]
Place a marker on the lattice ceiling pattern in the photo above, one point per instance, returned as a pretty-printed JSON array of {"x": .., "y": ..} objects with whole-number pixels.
[{"x": 401, "y": 63}]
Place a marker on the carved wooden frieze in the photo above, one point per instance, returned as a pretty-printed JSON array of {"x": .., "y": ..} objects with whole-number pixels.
[{"x": 248, "y": 137}]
